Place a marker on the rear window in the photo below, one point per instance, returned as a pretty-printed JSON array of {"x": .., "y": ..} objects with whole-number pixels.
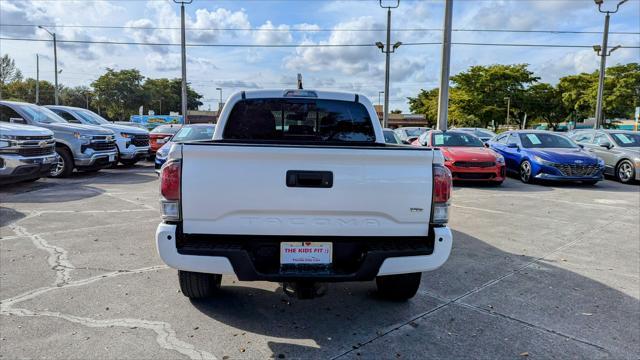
[
  {"x": 299, "y": 120},
  {"x": 166, "y": 129}
]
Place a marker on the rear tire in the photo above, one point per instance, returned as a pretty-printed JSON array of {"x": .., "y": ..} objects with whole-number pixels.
[
  {"x": 398, "y": 287},
  {"x": 625, "y": 172},
  {"x": 64, "y": 167},
  {"x": 198, "y": 285}
]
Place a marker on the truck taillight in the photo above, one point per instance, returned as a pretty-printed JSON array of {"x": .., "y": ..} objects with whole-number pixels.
[
  {"x": 170, "y": 190},
  {"x": 442, "y": 184}
]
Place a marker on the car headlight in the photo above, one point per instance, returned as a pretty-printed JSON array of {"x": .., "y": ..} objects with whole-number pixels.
[
  {"x": 127, "y": 135},
  {"x": 4, "y": 144},
  {"x": 7, "y": 137},
  {"x": 84, "y": 139},
  {"x": 500, "y": 159},
  {"x": 542, "y": 161},
  {"x": 446, "y": 158}
]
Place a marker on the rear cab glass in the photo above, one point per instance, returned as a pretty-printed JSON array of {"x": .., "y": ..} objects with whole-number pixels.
[{"x": 300, "y": 120}]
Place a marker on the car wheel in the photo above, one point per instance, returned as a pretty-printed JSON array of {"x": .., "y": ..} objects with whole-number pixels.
[
  {"x": 64, "y": 166},
  {"x": 625, "y": 172},
  {"x": 525, "y": 172},
  {"x": 198, "y": 285},
  {"x": 398, "y": 287}
]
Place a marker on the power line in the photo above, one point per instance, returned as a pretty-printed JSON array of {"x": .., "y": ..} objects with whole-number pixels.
[
  {"x": 299, "y": 45},
  {"x": 319, "y": 29}
]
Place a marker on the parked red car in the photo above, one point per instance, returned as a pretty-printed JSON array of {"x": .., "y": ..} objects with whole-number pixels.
[
  {"x": 160, "y": 135},
  {"x": 466, "y": 156}
]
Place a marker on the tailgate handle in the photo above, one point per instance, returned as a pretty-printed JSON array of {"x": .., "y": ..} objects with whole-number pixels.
[{"x": 309, "y": 179}]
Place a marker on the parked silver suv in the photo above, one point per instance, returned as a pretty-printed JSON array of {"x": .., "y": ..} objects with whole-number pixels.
[
  {"x": 26, "y": 152},
  {"x": 132, "y": 142},
  {"x": 619, "y": 149},
  {"x": 81, "y": 147}
]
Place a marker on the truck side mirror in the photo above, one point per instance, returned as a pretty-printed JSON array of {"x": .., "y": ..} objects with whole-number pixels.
[
  {"x": 512, "y": 145},
  {"x": 17, "y": 121}
]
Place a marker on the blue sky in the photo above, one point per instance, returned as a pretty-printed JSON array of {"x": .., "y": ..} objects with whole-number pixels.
[{"x": 346, "y": 68}]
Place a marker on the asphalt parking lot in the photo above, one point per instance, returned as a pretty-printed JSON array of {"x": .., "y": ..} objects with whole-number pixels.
[{"x": 537, "y": 271}]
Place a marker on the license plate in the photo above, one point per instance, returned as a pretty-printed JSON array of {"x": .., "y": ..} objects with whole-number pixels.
[
  {"x": 112, "y": 158},
  {"x": 306, "y": 253}
]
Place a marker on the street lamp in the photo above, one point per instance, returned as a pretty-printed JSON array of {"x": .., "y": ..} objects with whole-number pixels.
[
  {"x": 388, "y": 52},
  {"x": 220, "y": 102},
  {"x": 508, "y": 100},
  {"x": 379, "y": 101},
  {"x": 184, "y": 57},
  {"x": 603, "y": 53},
  {"x": 55, "y": 61}
]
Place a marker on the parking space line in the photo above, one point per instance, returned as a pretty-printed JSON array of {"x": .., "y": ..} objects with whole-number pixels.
[{"x": 476, "y": 290}]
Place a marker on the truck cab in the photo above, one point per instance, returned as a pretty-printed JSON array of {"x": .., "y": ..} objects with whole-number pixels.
[
  {"x": 81, "y": 147},
  {"x": 26, "y": 152},
  {"x": 299, "y": 187}
]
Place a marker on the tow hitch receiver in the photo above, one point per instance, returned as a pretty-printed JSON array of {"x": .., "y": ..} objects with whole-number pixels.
[{"x": 304, "y": 289}]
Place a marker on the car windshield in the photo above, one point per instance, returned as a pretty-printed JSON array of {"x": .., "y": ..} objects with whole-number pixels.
[
  {"x": 414, "y": 132},
  {"x": 40, "y": 114},
  {"x": 390, "y": 137},
  {"x": 297, "y": 119},
  {"x": 542, "y": 140},
  {"x": 91, "y": 117},
  {"x": 190, "y": 133},
  {"x": 626, "y": 139},
  {"x": 456, "y": 139},
  {"x": 165, "y": 129}
]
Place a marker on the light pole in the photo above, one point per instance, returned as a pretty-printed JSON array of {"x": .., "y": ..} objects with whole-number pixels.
[
  {"x": 379, "y": 97},
  {"x": 602, "y": 52},
  {"x": 220, "y": 102},
  {"x": 160, "y": 101},
  {"x": 184, "y": 58},
  {"x": 55, "y": 61},
  {"x": 387, "y": 52},
  {"x": 37, "y": 79},
  {"x": 508, "y": 100},
  {"x": 443, "y": 96}
]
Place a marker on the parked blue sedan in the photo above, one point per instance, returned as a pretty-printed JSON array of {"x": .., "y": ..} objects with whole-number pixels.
[{"x": 543, "y": 155}]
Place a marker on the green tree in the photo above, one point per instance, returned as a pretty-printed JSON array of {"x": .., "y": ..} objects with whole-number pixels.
[
  {"x": 119, "y": 93},
  {"x": 481, "y": 91},
  {"x": 426, "y": 103},
  {"x": 543, "y": 103},
  {"x": 168, "y": 92},
  {"x": 26, "y": 91},
  {"x": 9, "y": 72},
  {"x": 79, "y": 96},
  {"x": 396, "y": 111},
  {"x": 621, "y": 91},
  {"x": 577, "y": 93}
]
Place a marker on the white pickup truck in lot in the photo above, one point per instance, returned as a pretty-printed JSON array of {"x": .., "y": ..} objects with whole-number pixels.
[{"x": 299, "y": 187}]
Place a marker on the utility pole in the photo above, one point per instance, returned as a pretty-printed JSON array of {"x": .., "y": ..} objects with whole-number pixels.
[
  {"x": 385, "y": 120},
  {"x": 184, "y": 58},
  {"x": 602, "y": 52},
  {"x": 443, "y": 98},
  {"x": 55, "y": 61},
  {"x": 219, "y": 102},
  {"x": 508, "y": 100},
  {"x": 379, "y": 97},
  {"x": 37, "y": 79}
]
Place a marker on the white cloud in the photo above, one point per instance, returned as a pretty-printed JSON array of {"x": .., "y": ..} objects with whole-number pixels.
[
  {"x": 172, "y": 62},
  {"x": 348, "y": 60},
  {"x": 268, "y": 34}
]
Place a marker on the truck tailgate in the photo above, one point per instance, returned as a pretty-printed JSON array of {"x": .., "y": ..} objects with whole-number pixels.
[{"x": 242, "y": 190}]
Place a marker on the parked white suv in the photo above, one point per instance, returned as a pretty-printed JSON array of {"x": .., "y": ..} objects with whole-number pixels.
[{"x": 299, "y": 187}]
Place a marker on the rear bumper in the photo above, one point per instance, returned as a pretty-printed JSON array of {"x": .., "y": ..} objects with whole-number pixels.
[{"x": 226, "y": 258}]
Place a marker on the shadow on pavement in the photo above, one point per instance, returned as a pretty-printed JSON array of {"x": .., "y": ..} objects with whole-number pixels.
[
  {"x": 546, "y": 296},
  {"x": 47, "y": 192},
  {"x": 8, "y": 216}
]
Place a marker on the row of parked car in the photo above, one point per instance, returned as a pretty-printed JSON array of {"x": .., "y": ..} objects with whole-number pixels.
[
  {"x": 38, "y": 141},
  {"x": 531, "y": 155}
]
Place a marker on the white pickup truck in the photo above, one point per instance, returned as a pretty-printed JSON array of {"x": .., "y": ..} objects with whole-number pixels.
[{"x": 299, "y": 187}]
